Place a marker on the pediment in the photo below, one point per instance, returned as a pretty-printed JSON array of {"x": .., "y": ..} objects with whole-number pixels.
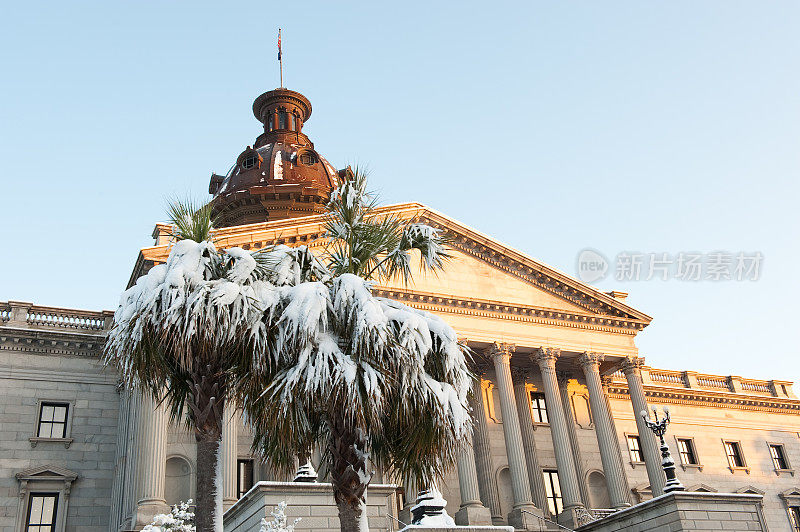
[
  {"x": 703, "y": 488},
  {"x": 791, "y": 494},
  {"x": 47, "y": 472},
  {"x": 750, "y": 489}
]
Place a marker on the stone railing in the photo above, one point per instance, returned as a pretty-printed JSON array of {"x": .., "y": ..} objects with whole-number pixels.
[
  {"x": 666, "y": 376},
  {"x": 28, "y": 315},
  {"x": 713, "y": 383}
]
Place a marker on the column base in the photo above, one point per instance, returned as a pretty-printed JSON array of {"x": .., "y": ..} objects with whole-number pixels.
[
  {"x": 521, "y": 518},
  {"x": 473, "y": 515},
  {"x": 574, "y": 517},
  {"x": 147, "y": 510}
]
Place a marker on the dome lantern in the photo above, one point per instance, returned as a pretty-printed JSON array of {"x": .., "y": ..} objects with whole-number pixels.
[{"x": 281, "y": 175}]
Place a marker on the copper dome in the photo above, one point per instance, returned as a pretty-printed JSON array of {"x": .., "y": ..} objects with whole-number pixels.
[{"x": 281, "y": 175}]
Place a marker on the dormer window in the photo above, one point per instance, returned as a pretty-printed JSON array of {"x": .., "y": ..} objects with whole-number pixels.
[
  {"x": 308, "y": 158},
  {"x": 250, "y": 161}
]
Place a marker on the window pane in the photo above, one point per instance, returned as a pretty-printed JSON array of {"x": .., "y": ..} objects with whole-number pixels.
[
  {"x": 37, "y": 504},
  {"x": 47, "y": 509},
  {"x": 60, "y": 413},
  {"x": 47, "y": 413}
]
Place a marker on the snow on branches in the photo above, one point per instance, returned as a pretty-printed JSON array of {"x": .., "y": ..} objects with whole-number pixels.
[{"x": 180, "y": 519}]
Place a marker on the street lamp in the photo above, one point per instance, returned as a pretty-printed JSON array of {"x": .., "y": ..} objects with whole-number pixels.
[{"x": 659, "y": 427}]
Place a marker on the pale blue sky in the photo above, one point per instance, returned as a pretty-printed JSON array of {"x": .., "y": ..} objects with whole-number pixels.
[{"x": 552, "y": 126}]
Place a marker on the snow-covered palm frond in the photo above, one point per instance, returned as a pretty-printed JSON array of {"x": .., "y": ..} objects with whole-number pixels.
[
  {"x": 190, "y": 220},
  {"x": 374, "y": 245}
]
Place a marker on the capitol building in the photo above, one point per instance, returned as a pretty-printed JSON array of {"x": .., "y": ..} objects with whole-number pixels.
[{"x": 561, "y": 380}]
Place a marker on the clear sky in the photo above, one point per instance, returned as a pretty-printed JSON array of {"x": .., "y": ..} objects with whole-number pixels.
[{"x": 652, "y": 127}]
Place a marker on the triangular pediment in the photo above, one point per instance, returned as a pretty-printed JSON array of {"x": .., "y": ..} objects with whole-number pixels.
[
  {"x": 483, "y": 273},
  {"x": 751, "y": 489},
  {"x": 47, "y": 472},
  {"x": 702, "y": 488}
]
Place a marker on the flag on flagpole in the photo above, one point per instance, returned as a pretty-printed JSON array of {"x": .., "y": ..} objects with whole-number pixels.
[{"x": 279, "y": 44}]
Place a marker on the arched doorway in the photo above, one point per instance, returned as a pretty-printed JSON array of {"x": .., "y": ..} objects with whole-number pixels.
[{"x": 178, "y": 482}]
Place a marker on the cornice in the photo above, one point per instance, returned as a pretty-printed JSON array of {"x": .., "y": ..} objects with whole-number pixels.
[
  {"x": 507, "y": 259},
  {"x": 691, "y": 397},
  {"x": 486, "y": 308},
  {"x": 51, "y": 342}
]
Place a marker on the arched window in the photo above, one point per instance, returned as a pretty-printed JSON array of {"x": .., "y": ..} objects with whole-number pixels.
[
  {"x": 291, "y": 121},
  {"x": 250, "y": 160},
  {"x": 270, "y": 121},
  {"x": 281, "y": 118}
]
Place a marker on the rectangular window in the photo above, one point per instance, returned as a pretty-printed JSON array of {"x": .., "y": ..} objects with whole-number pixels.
[
  {"x": 42, "y": 509},
  {"x": 634, "y": 449},
  {"x": 244, "y": 478},
  {"x": 538, "y": 408},
  {"x": 734, "y": 452},
  {"x": 553, "y": 491},
  {"x": 686, "y": 450},
  {"x": 53, "y": 420},
  {"x": 794, "y": 518},
  {"x": 778, "y": 456}
]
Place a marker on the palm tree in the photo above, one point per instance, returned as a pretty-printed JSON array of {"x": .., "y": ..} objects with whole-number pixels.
[
  {"x": 368, "y": 379},
  {"x": 181, "y": 328}
]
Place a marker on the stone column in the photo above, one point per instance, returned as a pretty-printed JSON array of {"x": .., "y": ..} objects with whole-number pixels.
[
  {"x": 572, "y": 431},
  {"x": 606, "y": 382},
  {"x": 606, "y": 436},
  {"x": 520, "y": 484},
  {"x": 567, "y": 477},
  {"x": 472, "y": 510},
  {"x": 631, "y": 367},
  {"x": 535, "y": 478},
  {"x": 230, "y": 456},
  {"x": 151, "y": 460},
  {"x": 483, "y": 456}
]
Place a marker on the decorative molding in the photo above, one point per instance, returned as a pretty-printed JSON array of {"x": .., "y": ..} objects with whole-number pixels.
[
  {"x": 51, "y": 342},
  {"x": 485, "y": 308},
  {"x": 502, "y": 349},
  {"x": 632, "y": 364},
  {"x": 691, "y": 397},
  {"x": 546, "y": 356},
  {"x": 590, "y": 360}
]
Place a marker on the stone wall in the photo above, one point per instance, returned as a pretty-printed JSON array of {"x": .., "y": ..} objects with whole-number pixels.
[
  {"x": 43, "y": 361},
  {"x": 687, "y": 512},
  {"x": 313, "y": 503}
]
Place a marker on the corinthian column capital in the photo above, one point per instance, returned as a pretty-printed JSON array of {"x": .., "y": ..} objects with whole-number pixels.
[
  {"x": 546, "y": 356},
  {"x": 632, "y": 364},
  {"x": 502, "y": 349},
  {"x": 589, "y": 360}
]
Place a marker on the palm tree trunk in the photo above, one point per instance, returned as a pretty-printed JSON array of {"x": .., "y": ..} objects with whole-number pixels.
[
  {"x": 349, "y": 476},
  {"x": 205, "y": 410},
  {"x": 208, "y": 512}
]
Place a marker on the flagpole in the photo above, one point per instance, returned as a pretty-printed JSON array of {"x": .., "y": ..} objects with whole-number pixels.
[{"x": 280, "y": 55}]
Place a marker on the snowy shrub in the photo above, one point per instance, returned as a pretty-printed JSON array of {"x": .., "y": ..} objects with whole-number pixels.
[
  {"x": 180, "y": 519},
  {"x": 279, "y": 520}
]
